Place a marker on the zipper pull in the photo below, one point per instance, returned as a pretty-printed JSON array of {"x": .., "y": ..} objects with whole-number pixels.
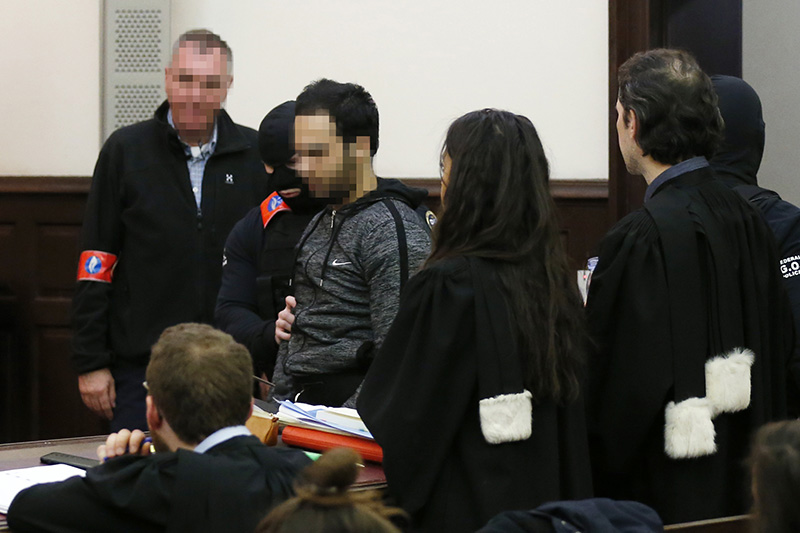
[{"x": 333, "y": 217}]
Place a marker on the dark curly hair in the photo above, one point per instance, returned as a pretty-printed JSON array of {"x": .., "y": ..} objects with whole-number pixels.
[
  {"x": 675, "y": 105},
  {"x": 350, "y": 105},
  {"x": 325, "y": 503}
]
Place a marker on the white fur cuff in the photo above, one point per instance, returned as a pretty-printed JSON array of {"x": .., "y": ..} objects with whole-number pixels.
[
  {"x": 689, "y": 430},
  {"x": 728, "y": 381},
  {"x": 506, "y": 417}
]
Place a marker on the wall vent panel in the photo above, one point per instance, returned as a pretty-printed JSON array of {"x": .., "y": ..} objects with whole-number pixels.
[{"x": 136, "y": 48}]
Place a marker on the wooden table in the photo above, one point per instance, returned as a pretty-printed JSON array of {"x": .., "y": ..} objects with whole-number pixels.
[{"x": 25, "y": 454}]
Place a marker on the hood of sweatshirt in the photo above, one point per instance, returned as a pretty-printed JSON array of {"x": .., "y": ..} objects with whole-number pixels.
[
  {"x": 387, "y": 188},
  {"x": 738, "y": 160}
]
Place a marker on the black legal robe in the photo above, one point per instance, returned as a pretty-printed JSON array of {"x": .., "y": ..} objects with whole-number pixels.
[
  {"x": 228, "y": 488},
  {"x": 654, "y": 337},
  {"x": 420, "y": 399}
]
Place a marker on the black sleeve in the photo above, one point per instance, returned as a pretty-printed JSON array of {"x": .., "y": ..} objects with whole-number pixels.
[
  {"x": 114, "y": 496},
  {"x": 237, "y": 303},
  {"x": 102, "y": 231},
  {"x": 422, "y": 371},
  {"x": 630, "y": 370}
]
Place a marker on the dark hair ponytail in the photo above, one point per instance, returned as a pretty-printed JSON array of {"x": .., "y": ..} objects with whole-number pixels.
[{"x": 324, "y": 501}]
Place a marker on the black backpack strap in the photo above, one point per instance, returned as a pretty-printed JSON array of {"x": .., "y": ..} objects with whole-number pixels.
[{"x": 402, "y": 243}]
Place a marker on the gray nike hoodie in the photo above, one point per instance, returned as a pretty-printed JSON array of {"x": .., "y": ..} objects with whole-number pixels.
[{"x": 347, "y": 284}]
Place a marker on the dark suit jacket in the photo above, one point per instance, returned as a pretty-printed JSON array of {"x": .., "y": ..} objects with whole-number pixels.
[{"x": 229, "y": 488}]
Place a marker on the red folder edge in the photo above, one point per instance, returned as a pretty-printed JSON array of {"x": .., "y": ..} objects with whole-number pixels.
[{"x": 321, "y": 441}]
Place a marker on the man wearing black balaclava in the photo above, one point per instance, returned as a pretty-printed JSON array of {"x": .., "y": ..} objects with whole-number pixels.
[
  {"x": 737, "y": 163},
  {"x": 259, "y": 252}
]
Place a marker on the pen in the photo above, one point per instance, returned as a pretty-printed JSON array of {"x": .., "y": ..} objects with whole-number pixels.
[
  {"x": 149, "y": 440},
  {"x": 264, "y": 381}
]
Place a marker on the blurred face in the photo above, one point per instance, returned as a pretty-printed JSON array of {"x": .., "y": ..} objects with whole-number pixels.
[
  {"x": 197, "y": 85},
  {"x": 324, "y": 160}
]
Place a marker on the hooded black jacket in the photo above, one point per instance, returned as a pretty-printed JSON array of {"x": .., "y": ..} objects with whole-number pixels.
[
  {"x": 737, "y": 164},
  {"x": 141, "y": 209}
]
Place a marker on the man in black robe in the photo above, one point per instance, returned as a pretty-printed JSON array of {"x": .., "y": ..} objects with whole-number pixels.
[
  {"x": 692, "y": 327},
  {"x": 209, "y": 472}
]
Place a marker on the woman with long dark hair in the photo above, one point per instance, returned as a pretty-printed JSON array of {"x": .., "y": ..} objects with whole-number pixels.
[{"x": 474, "y": 395}]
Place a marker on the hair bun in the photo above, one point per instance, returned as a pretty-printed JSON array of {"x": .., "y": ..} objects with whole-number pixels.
[{"x": 334, "y": 472}]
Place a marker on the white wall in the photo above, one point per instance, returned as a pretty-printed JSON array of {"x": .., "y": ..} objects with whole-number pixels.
[
  {"x": 425, "y": 63},
  {"x": 51, "y": 87},
  {"x": 771, "y": 64}
]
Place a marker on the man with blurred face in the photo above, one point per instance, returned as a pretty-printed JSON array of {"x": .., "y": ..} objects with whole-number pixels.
[
  {"x": 354, "y": 257},
  {"x": 164, "y": 196}
]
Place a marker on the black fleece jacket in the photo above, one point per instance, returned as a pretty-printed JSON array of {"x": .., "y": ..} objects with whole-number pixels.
[{"x": 142, "y": 210}]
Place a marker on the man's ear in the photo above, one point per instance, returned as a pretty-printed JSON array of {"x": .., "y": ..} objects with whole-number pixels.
[
  {"x": 269, "y": 169},
  {"x": 633, "y": 123},
  {"x": 362, "y": 146},
  {"x": 154, "y": 418}
]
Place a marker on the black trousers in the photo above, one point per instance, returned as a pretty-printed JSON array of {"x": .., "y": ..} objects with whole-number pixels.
[{"x": 129, "y": 412}]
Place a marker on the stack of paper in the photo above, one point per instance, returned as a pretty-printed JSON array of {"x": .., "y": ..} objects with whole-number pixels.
[
  {"x": 13, "y": 482},
  {"x": 339, "y": 420}
]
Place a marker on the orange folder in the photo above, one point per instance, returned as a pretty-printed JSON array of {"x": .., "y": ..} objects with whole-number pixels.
[{"x": 313, "y": 439}]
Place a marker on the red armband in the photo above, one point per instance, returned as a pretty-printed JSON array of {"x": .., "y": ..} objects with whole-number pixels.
[
  {"x": 270, "y": 207},
  {"x": 96, "y": 266}
]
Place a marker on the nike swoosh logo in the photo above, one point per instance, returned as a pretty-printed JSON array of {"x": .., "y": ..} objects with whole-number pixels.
[{"x": 338, "y": 263}]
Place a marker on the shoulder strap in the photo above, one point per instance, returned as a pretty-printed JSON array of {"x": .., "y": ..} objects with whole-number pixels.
[{"x": 402, "y": 243}]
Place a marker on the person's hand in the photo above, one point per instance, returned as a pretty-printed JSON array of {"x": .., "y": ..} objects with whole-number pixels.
[
  {"x": 283, "y": 326},
  {"x": 98, "y": 392},
  {"x": 124, "y": 443},
  {"x": 263, "y": 388}
]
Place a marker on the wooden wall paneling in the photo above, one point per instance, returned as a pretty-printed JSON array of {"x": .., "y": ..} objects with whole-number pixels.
[
  {"x": 38, "y": 271},
  {"x": 40, "y": 221},
  {"x": 629, "y": 31},
  {"x": 10, "y": 360},
  {"x": 582, "y": 209}
]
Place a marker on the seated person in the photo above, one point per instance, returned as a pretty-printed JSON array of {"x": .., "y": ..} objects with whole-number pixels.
[
  {"x": 474, "y": 395},
  {"x": 324, "y": 504},
  {"x": 259, "y": 252},
  {"x": 208, "y": 473},
  {"x": 775, "y": 467},
  {"x": 354, "y": 257}
]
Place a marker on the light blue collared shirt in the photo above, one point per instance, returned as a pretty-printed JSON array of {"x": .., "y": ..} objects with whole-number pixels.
[
  {"x": 220, "y": 436},
  {"x": 673, "y": 172},
  {"x": 196, "y": 157}
]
